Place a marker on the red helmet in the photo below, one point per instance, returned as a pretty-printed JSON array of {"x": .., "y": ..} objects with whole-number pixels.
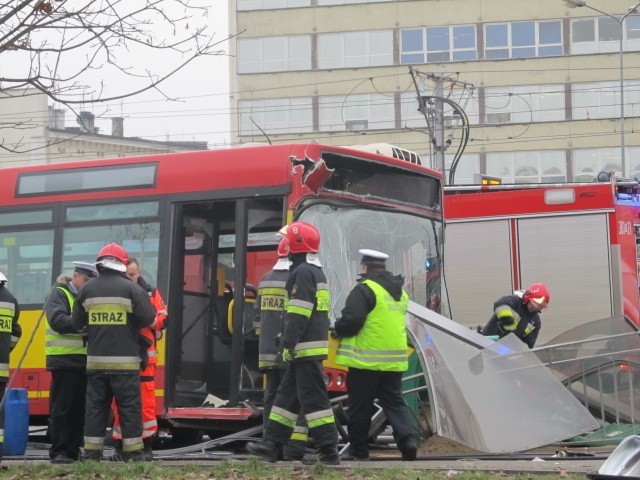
[
  {"x": 538, "y": 293},
  {"x": 303, "y": 237},
  {"x": 283, "y": 247},
  {"x": 114, "y": 257}
]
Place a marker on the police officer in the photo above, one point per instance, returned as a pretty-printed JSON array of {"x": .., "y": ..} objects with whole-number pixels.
[
  {"x": 303, "y": 347},
  {"x": 519, "y": 314},
  {"x": 66, "y": 353},
  {"x": 149, "y": 338},
  {"x": 374, "y": 346},
  {"x": 113, "y": 309},
  {"x": 10, "y": 333},
  {"x": 269, "y": 311}
]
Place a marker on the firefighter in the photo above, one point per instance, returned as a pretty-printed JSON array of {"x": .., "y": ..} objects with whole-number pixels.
[
  {"x": 519, "y": 314},
  {"x": 374, "y": 346},
  {"x": 148, "y": 339},
  {"x": 303, "y": 347},
  {"x": 66, "y": 352},
  {"x": 113, "y": 309},
  {"x": 269, "y": 311},
  {"x": 10, "y": 333}
]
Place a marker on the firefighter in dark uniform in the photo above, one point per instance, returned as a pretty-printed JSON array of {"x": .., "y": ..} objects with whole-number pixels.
[
  {"x": 519, "y": 314},
  {"x": 113, "y": 309},
  {"x": 374, "y": 346},
  {"x": 303, "y": 346},
  {"x": 148, "y": 339},
  {"x": 269, "y": 311},
  {"x": 66, "y": 352},
  {"x": 10, "y": 333}
]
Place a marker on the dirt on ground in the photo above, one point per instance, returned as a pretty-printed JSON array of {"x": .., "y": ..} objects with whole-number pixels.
[{"x": 436, "y": 445}]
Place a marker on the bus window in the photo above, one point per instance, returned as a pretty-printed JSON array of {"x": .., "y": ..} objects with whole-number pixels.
[
  {"x": 112, "y": 212},
  {"x": 140, "y": 240},
  {"x": 26, "y": 259},
  {"x": 26, "y": 218}
]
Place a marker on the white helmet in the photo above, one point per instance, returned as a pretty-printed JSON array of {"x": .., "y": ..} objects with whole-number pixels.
[{"x": 3, "y": 279}]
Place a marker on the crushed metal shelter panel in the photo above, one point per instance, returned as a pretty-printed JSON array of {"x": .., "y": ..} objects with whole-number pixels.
[{"x": 495, "y": 397}]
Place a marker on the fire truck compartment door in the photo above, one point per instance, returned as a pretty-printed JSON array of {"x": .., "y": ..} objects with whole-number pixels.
[
  {"x": 477, "y": 266},
  {"x": 570, "y": 253}
]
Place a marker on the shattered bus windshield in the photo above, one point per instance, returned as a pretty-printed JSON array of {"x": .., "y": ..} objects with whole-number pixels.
[{"x": 411, "y": 242}]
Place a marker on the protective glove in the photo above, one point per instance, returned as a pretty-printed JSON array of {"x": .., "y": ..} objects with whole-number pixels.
[
  {"x": 333, "y": 334},
  {"x": 288, "y": 354}
]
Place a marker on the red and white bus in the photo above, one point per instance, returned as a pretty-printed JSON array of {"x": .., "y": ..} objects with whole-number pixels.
[
  {"x": 582, "y": 240},
  {"x": 203, "y": 226}
]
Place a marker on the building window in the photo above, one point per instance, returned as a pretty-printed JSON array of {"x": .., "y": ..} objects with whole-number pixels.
[
  {"x": 545, "y": 166},
  {"x": 467, "y": 169},
  {"x": 453, "y": 43},
  {"x": 523, "y": 39},
  {"x": 356, "y": 112},
  {"x": 322, "y": 3},
  {"x": 355, "y": 49},
  {"x": 632, "y": 156},
  {"x": 523, "y": 104},
  {"x": 602, "y": 99},
  {"x": 244, "y": 5},
  {"x": 274, "y": 54},
  {"x": 276, "y": 116},
  {"x": 588, "y": 162},
  {"x": 602, "y": 35}
]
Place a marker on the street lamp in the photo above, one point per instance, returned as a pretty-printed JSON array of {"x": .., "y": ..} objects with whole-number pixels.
[{"x": 620, "y": 20}]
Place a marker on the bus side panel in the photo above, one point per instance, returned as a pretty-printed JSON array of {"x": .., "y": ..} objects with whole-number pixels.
[
  {"x": 477, "y": 266},
  {"x": 571, "y": 255},
  {"x": 33, "y": 375}
]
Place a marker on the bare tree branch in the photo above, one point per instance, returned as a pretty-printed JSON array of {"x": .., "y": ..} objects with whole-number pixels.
[{"x": 57, "y": 46}]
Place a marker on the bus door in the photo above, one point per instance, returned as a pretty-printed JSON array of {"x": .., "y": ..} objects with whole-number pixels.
[{"x": 220, "y": 251}]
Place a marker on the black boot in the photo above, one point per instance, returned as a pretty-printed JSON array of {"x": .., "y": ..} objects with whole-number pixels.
[
  {"x": 328, "y": 455},
  {"x": 410, "y": 451},
  {"x": 266, "y": 449},
  {"x": 147, "y": 451},
  {"x": 294, "y": 450},
  {"x": 91, "y": 456}
]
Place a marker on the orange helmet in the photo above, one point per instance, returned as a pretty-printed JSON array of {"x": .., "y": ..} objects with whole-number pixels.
[
  {"x": 283, "y": 247},
  {"x": 303, "y": 237},
  {"x": 538, "y": 293},
  {"x": 113, "y": 257}
]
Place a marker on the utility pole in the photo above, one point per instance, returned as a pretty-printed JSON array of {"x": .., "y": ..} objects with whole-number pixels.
[
  {"x": 433, "y": 107},
  {"x": 438, "y": 128}
]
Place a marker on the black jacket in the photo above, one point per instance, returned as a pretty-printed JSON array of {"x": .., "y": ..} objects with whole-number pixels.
[
  {"x": 521, "y": 314},
  {"x": 305, "y": 280},
  {"x": 362, "y": 300},
  {"x": 10, "y": 330},
  {"x": 113, "y": 309}
]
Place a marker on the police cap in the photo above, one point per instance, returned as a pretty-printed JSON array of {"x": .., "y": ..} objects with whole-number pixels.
[
  {"x": 372, "y": 256},
  {"x": 86, "y": 268}
]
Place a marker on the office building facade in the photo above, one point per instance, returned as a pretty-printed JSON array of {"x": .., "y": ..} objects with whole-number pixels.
[{"x": 538, "y": 81}]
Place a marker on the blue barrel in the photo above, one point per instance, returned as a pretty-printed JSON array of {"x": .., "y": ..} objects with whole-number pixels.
[{"x": 16, "y": 421}]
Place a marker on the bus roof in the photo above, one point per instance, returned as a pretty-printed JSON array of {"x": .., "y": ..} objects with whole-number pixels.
[{"x": 247, "y": 167}]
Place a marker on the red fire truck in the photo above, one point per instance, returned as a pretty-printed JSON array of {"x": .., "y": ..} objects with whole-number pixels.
[
  {"x": 203, "y": 226},
  {"x": 580, "y": 239}
]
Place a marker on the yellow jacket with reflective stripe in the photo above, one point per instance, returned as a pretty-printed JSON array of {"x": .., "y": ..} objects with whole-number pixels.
[
  {"x": 381, "y": 344},
  {"x": 58, "y": 310}
]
